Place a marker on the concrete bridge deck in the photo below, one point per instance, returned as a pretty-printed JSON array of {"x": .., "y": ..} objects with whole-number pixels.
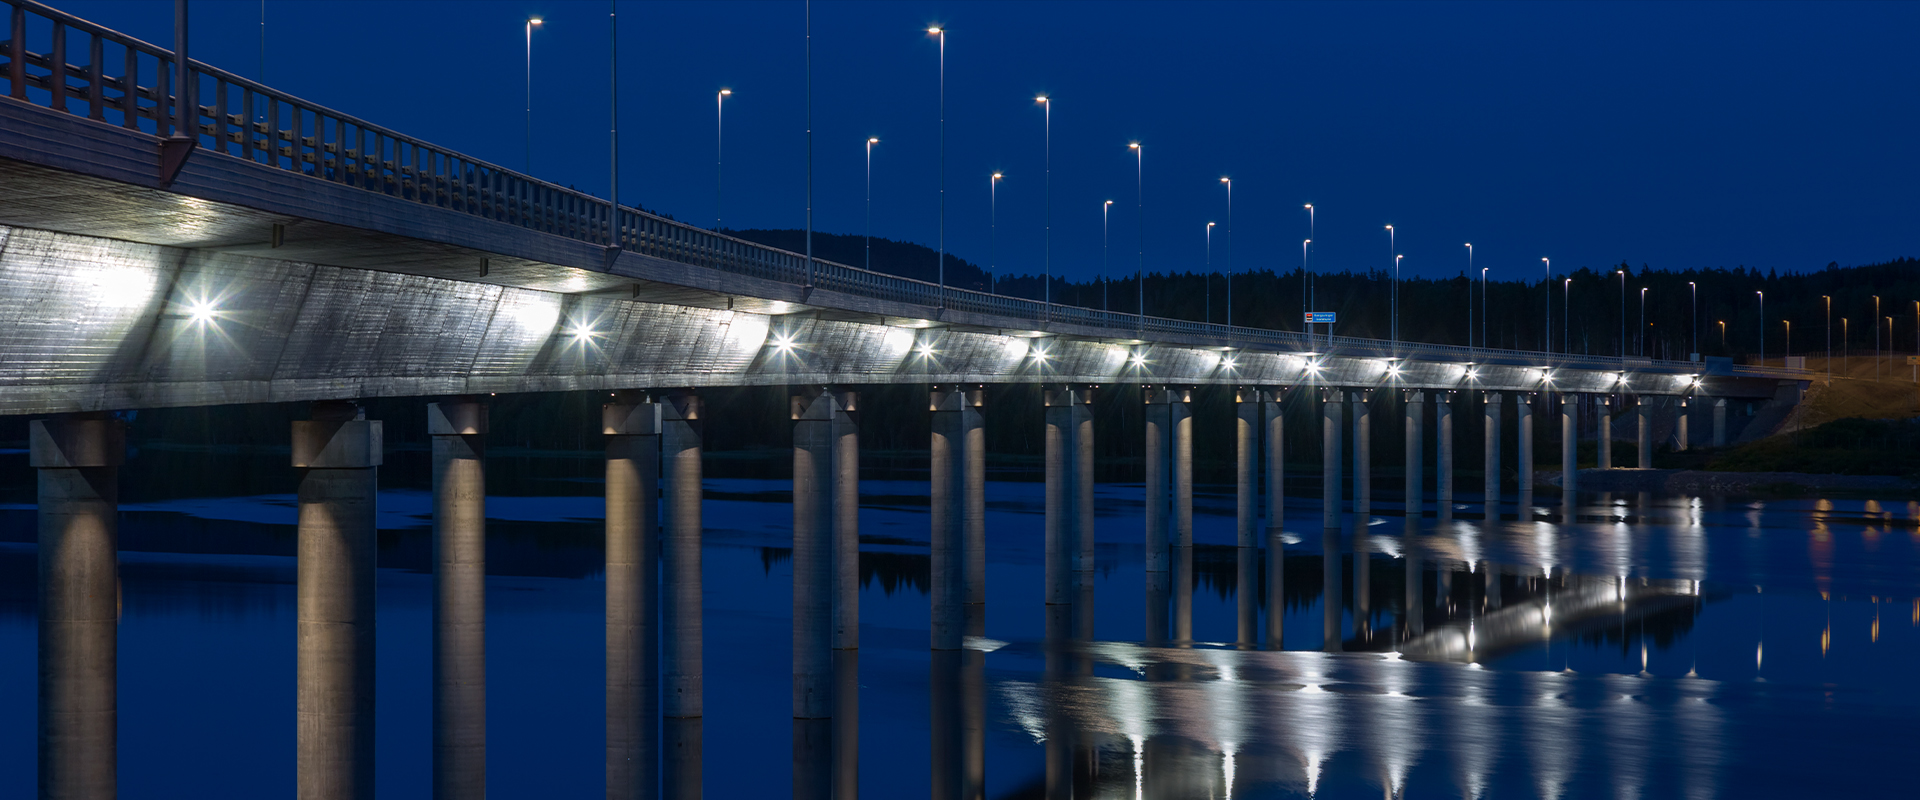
[{"x": 318, "y": 256}]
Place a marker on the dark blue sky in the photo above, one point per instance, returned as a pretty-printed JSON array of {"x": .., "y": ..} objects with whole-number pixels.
[{"x": 1680, "y": 135}]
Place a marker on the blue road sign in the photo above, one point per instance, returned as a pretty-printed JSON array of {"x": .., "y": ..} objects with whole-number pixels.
[{"x": 1319, "y": 317}]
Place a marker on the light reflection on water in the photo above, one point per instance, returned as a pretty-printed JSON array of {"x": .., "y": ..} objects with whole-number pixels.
[{"x": 1655, "y": 647}]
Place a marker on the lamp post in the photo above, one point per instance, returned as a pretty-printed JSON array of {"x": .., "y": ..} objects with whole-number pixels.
[
  {"x": 1047, "y": 240},
  {"x": 1876, "y": 337},
  {"x": 1396, "y": 303},
  {"x": 1229, "y": 184},
  {"x": 1393, "y": 296},
  {"x": 1763, "y": 327},
  {"x": 1829, "y": 326},
  {"x": 1306, "y": 312},
  {"x": 1788, "y": 353},
  {"x": 1846, "y": 345},
  {"x": 1693, "y": 321},
  {"x": 1207, "y": 274},
  {"x": 532, "y": 22},
  {"x": 1723, "y": 334},
  {"x": 1643, "y": 322},
  {"x": 871, "y": 141},
  {"x": 719, "y": 149},
  {"x": 993, "y": 228},
  {"x": 1545, "y": 284},
  {"x": 1566, "y": 315},
  {"x": 1623, "y": 311},
  {"x": 1483, "y": 307},
  {"x": 1140, "y": 186},
  {"x": 1106, "y": 258},
  {"x": 941, "y": 268},
  {"x": 1469, "y": 299}
]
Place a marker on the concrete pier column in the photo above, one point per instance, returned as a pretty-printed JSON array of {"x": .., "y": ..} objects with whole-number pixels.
[
  {"x": 1490, "y": 402},
  {"x": 1246, "y": 438},
  {"x": 1083, "y": 560},
  {"x": 1182, "y": 408},
  {"x": 1680, "y": 436},
  {"x": 1330, "y": 423},
  {"x": 77, "y": 459},
  {"x": 632, "y": 425},
  {"x": 338, "y": 452},
  {"x": 813, "y": 410},
  {"x": 1274, "y": 420},
  {"x": 1644, "y": 405},
  {"x": 1158, "y": 454},
  {"x": 1719, "y": 422},
  {"x": 1443, "y": 455},
  {"x": 1416, "y": 413},
  {"x": 1062, "y": 458},
  {"x": 1362, "y": 459},
  {"x": 1569, "y": 444},
  {"x": 682, "y": 707},
  {"x": 846, "y": 593},
  {"x": 1523, "y": 419},
  {"x": 459, "y": 429},
  {"x": 949, "y": 405},
  {"x": 973, "y": 508},
  {"x": 1605, "y": 433}
]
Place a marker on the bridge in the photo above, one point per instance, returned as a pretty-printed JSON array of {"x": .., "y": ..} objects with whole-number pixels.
[{"x": 173, "y": 234}]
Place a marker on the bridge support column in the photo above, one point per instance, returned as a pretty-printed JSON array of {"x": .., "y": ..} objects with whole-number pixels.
[
  {"x": 1362, "y": 459},
  {"x": 1606, "y": 432},
  {"x": 1719, "y": 422},
  {"x": 1182, "y": 409},
  {"x": 1083, "y": 560},
  {"x": 1275, "y": 421},
  {"x": 1158, "y": 454},
  {"x": 632, "y": 426},
  {"x": 1443, "y": 455},
  {"x": 1246, "y": 438},
  {"x": 813, "y": 412},
  {"x": 973, "y": 508},
  {"x": 1416, "y": 413},
  {"x": 1330, "y": 423},
  {"x": 1523, "y": 420},
  {"x": 846, "y": 591},
  {"x": 682, "y": 700},
  {"x": 77, "y": 458},
  {"x": 339, "y": 453},
  {"x": 1680, "y": 430},
  {"x": 459, "y": 429},
  {"x": 1491, "y": 404},
  {"x": 1569, "y": 446},
  {"x": 949, "y": 466},
  {"x": 1062, "y": 504},
  {"x": 1644, "y": 405}
]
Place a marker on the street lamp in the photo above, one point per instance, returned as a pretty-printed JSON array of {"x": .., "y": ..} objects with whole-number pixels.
[
  {"x": 1723, "y": 334},
  {"x": 1876, "y": 337},
  {"x": 1829, "y": 302},
  {"x": 1623, "y": 311},
  {"x": 1693, "y": 321},
  {"x": 719, "y": 147},
  {"x": 1566, "y": 315},
  {"x": 1306, "y": 313},
  {"x": 1545, "y": 282},
  {"x": 1846, "y": 346},
  {"x": 1393, "y": 297},
  {"x": 1763, "y": 327},
  {"x": 1106, "y": 259},
  {"x": 942, "y": 266},
  {"x": 1483, "y": 307},
  {"x": 1140, "y": 186},
  {"x": 871, "y": 141},
  {"x": 1229, "y": 184},
  {"x": 1047, "y": 240},
  {"x": 1643, "y": 322},
  {"x": 532, "y": 22},
  {"x": 1789, "y": 351},
  {"x": 1469, "y": 299},
  {"x": 1207, "y": 274},
  {"x": 993, "y": 228}
]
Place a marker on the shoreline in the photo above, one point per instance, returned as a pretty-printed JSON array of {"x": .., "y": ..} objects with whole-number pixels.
[{"x": 1695, "y": 481}]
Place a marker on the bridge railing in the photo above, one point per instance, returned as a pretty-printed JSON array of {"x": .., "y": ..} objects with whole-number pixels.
[{"x": 121, "y": 80}]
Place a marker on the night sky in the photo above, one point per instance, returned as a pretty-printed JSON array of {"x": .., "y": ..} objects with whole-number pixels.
[{"x": 1678, "y": 135}]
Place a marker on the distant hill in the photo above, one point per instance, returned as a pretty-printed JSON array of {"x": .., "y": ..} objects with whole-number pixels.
[{"x": 906, "y": 259}]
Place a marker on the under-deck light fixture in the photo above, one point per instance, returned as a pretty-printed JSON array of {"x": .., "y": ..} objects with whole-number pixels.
[{"x": 201, "y": 312}]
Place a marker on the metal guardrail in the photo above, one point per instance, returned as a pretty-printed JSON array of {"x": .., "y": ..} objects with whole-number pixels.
[{"x": 126, "y": 82}]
